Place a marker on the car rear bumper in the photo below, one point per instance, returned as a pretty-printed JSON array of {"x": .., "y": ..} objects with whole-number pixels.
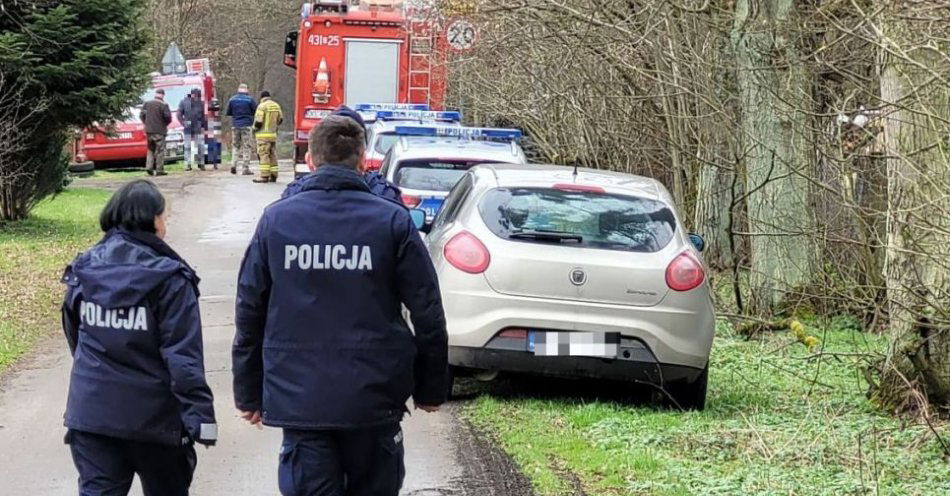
[
  {"x": 679, "y": 331},
  {"x": 638, "y": 370}
]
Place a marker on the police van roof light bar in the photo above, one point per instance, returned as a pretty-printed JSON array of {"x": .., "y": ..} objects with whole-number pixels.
[
  {"x": 461, "y": 132},
  {"x": 376, "y": 107},
  {"x": 415, "y": 115}
]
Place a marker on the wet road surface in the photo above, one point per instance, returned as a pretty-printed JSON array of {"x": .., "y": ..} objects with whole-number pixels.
[{"x": 212, "y": 218}]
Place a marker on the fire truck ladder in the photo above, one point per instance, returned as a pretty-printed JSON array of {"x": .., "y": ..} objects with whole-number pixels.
[{"x": 421, "y": 45}]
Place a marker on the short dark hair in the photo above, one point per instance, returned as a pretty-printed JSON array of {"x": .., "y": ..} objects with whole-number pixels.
[
  {"x": 133, "y": 207},
  {"x": 159, "y": 91},
  {"x": 265, "y": 94},
  {"x": 337, "y": 140}
]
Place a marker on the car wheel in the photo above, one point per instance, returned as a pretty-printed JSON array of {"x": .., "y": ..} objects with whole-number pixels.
[
  {"x": 82, "y": 167},
  {"x": 689, "y": 395}
]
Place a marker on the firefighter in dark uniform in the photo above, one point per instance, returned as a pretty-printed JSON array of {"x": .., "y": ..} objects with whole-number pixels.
[
  {"x": 138, "y": 399},
  {"x": 322, "y": 350}
]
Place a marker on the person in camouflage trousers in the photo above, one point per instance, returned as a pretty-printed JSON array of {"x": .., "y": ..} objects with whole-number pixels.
[
  {"x": 266, "y": 121},
  {"x": 241, "y": 109}
]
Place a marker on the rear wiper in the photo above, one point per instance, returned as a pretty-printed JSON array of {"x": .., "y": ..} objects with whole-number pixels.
[{"x": 558, "y": 236}]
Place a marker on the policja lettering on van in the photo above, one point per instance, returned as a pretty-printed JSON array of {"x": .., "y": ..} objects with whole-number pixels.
[
  {"x": 128, "y": 319},
  {"x": 327, "y": 257}
]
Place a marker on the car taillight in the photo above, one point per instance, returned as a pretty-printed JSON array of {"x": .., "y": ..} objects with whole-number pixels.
[
  {"x": 373, "y": 164},
  {"x": 466, "y": 253},
  {"x": 411, "y": 201},
  {"x": 685, "y": 273}
]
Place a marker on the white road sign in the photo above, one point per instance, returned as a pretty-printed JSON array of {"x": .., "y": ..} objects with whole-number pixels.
[{"x": 461, "y": 35}]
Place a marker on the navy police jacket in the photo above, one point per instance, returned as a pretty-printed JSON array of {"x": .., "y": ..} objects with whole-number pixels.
[
  {"x": 377, "y": 184},
  {"x": 321, "y": 341},
  {"x": 132, "y": 323}
]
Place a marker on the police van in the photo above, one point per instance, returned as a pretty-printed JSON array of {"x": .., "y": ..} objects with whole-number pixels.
[{"x": 427, "y": 161}]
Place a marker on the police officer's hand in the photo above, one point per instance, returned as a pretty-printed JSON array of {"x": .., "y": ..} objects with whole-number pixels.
[
  {"x": 254, "y": 418},
  {"x": 428, "y": 408}
]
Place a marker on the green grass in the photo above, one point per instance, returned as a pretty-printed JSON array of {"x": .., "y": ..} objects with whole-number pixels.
[
  {"x": 779, "y": 421},
  {"x": 132, "y": 172},
  {"x": 33, "y": 254}
]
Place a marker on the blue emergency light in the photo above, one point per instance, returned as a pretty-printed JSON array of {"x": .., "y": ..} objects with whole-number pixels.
[
  {"x": 377, "y": 107},
  {"x": 461, "y": 132},
  {"x": 416, "y": 115}
]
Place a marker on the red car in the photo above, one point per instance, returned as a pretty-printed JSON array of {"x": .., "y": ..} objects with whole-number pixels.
[
  {"x": 125, "y": 141},
  {"x": 122, "y": 141}
]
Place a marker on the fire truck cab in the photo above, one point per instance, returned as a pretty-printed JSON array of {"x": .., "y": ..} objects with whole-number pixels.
[{"x": 348, "y": 52}]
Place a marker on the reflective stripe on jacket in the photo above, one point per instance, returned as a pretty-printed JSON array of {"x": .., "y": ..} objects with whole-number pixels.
[{"x": 266, "y": 120}]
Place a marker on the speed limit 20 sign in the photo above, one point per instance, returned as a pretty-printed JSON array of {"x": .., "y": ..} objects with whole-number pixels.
[{"x": 461, "y": 35}]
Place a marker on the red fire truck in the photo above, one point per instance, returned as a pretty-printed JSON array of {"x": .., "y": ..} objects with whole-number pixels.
[
  {"x": 372, "y": 51},
  {"x": 125, "y": 142}
]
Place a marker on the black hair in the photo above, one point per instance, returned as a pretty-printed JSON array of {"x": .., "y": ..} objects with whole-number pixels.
[
  {"x": 133, "y": 208},
  {"x": 337, "y": 140},
  {"x": 265, "y": 94}
]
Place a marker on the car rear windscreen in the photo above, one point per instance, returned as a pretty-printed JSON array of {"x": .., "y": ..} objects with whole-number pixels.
[
  {"x": 431, "y": 174},
  {"x": 584, "y": 219}
]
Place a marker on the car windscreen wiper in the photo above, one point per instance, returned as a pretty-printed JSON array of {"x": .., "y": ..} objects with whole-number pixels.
[{"x": 558, "y": 236}]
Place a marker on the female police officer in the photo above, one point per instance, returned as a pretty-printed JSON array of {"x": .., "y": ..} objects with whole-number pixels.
[{"x": 138, "y": 399}]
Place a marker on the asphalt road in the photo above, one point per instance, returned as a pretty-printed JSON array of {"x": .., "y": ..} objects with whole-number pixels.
[{"x": 212, "y": 218}]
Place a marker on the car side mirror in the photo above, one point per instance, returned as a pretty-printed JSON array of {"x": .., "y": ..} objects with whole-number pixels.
[
  {"x": 697, "y": 241},
  {"x": 419, "y": 220},
  {"x": 214, "y": 105},
  {"x": 290, "y": 49}
]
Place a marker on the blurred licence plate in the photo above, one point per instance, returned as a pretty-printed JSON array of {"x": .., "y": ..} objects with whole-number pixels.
[
  {"x": 588, "y": 344},
  {"x": 118, "y": 136},
  {"x": 431, "y": 206}
]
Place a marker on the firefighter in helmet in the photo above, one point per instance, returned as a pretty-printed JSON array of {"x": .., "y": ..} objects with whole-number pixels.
[{"x": 266, "y": 121}]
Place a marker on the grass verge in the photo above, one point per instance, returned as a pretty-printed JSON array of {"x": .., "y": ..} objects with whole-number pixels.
[
  {"x": 33, "y": 254},
  {"x": 779, "y": 421},
  {"x": 131, "y": 172}
]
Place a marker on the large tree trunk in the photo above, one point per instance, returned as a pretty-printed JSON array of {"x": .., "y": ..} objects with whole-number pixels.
[
  {"x": 774, "y": 95},
  {"x": 915, "y": 87}
]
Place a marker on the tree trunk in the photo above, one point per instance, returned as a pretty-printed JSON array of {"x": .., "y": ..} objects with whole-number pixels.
[
  {"x": 773, "y": 96},
  {"x": 915, "y": 89}
]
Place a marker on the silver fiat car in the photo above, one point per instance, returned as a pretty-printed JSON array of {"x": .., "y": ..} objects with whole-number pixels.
[{"x": 578, "y": 273}]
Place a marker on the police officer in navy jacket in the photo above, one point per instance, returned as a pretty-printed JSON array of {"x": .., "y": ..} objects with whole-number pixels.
[
  {"x": 138, "y": 399},
  {"x": 322, "y": 349}
]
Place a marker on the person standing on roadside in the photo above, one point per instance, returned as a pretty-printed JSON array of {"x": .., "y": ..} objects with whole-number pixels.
[
  {"x": 138, "y": 399},
  {"x": 241, "y": 110},
  {"x": 191, "y": 113},
  {"x": 156, "y": 116},
  {"x": 266, "y": 121},
  {"x": 322, "y": 349}
]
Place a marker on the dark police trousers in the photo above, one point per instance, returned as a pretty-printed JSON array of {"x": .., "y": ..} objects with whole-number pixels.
[
  {"x": 363, "y": 462},
  {"x": 107, "y": 465}
]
